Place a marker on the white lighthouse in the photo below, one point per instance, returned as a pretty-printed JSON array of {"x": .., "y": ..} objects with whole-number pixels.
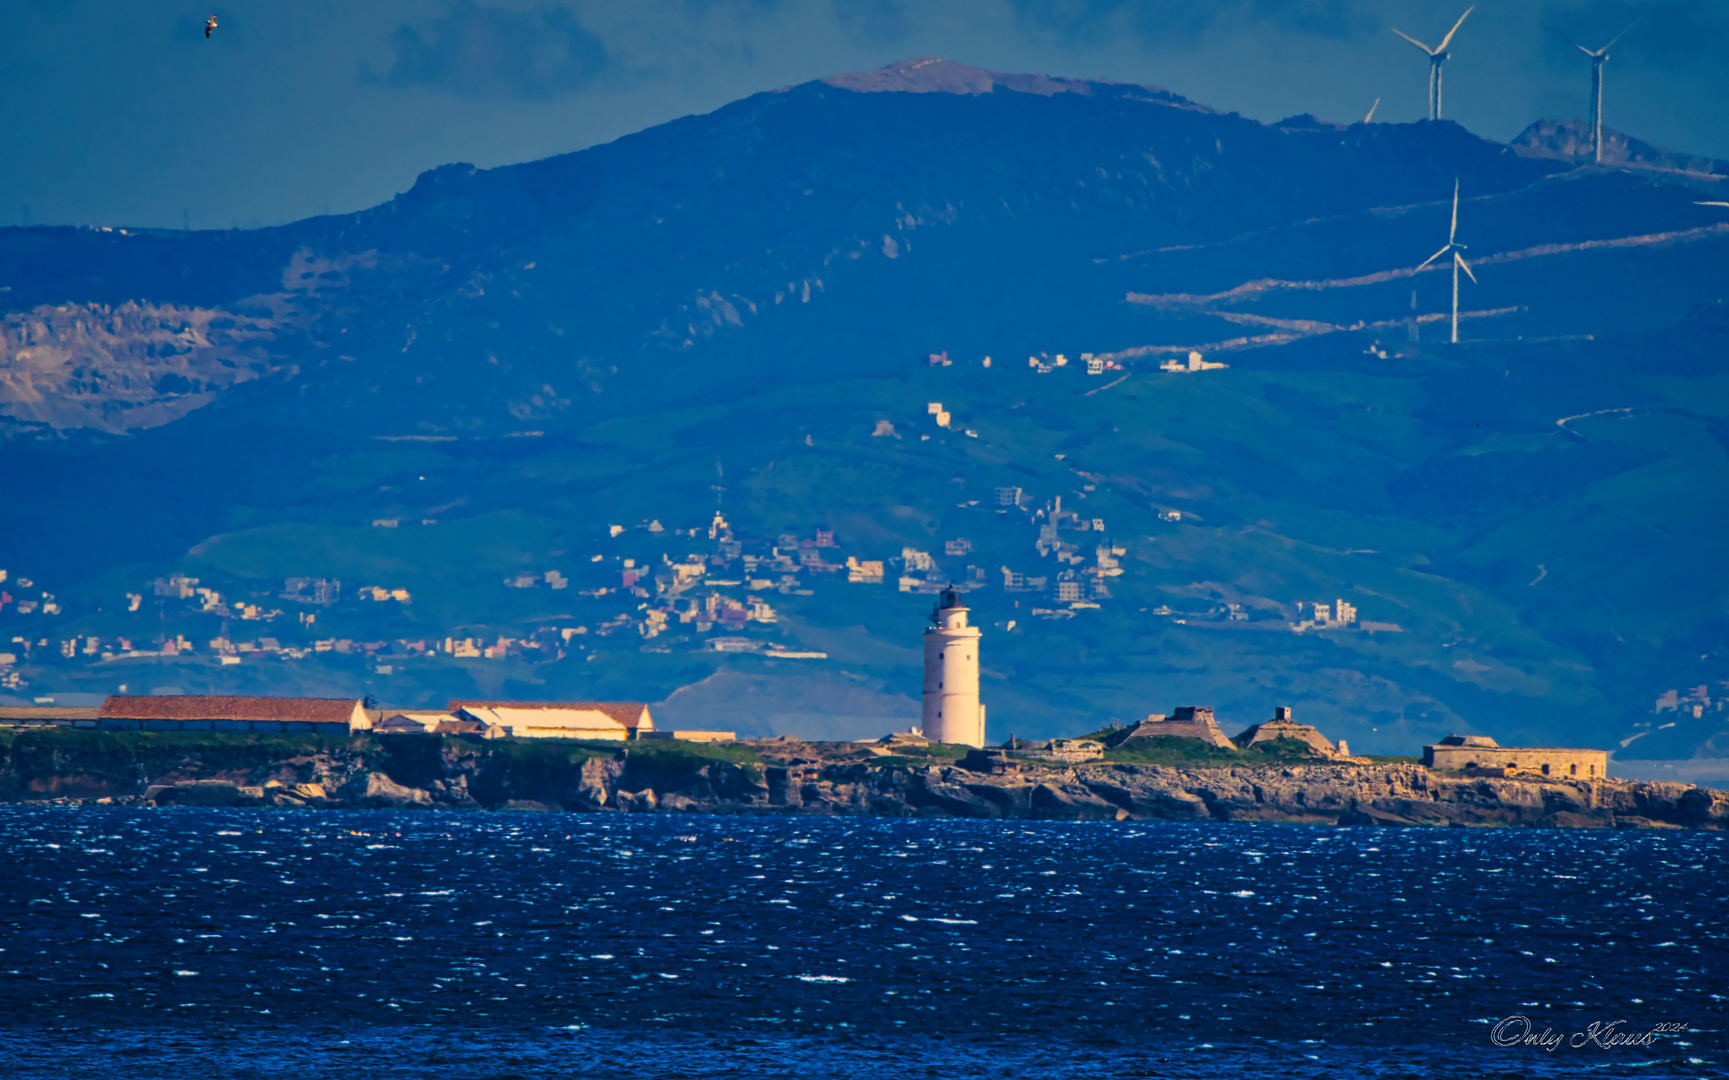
[{"x": 952, "y": 713}]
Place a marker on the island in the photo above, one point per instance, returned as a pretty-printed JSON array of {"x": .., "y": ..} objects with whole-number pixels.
[{"x": 1108, "y": 776}]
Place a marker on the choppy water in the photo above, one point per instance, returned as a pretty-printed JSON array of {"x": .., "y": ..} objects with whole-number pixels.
[{"x": 241, "y": 943}]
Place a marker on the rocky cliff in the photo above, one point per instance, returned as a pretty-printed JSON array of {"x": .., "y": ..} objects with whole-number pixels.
[{"x": 793, "y": 778}]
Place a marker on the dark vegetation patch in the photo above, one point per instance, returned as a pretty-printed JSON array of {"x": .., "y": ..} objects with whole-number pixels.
[
  {"x": 129, "y": 755},
  {"x": 1183, "y": 753}
]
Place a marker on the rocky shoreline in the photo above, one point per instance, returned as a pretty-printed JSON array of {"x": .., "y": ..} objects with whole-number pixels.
[{"x": 791, "y": 778}]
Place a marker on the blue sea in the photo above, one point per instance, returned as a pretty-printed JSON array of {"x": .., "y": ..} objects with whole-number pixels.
[{"x": 232, "y": 943}]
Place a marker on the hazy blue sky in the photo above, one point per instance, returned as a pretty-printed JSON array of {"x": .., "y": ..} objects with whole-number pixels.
[{"x": 120, "y": 112}]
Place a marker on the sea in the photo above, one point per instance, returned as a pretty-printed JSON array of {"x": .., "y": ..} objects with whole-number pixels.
[{"x": 237, "y": 943}]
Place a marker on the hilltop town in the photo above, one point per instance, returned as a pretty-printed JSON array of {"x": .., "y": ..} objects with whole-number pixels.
[{"x": 698, "y": 587}]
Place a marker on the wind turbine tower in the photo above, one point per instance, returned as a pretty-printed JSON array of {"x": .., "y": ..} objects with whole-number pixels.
[
  {"x": 1597, "y": 59},
  {"x": 1437, "y": 56},
  {"x": 1454, "y": 248}
]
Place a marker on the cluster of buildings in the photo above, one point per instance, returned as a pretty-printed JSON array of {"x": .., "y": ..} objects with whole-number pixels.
[
  {"x": 1309, "y": 615},
  {"x": 1320, "y": 615},
  {"x": 204, "y": 600},
  {"x": 607, "y": 721},
  {"x": 724, "y": 591},
  {"x": 1084, "y": 566},
  {"x": 300, "y": 590},
  {"x": 698, "y": 591},
  {"x": 43, "y": 602},
  {"x": 1194, "y": 362},
  {"x": 1045, "y": 363},
  {"x": 1695, "y": 702}
]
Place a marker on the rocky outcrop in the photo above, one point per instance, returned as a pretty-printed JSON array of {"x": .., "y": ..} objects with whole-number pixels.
[
  {"x": 378, "y": 790},
  {"x": 1331, "y": 794},
  {"x": 204, "y": 793},
  {"x": 127, "y": 366},
  {"x": 428, "y": 773}
]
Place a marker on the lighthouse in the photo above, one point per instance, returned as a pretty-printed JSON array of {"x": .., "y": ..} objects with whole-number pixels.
[{"x": 952, "y": 713}]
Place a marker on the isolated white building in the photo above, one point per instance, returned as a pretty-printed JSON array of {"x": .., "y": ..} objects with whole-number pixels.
[{"x": 952, "y": 713}]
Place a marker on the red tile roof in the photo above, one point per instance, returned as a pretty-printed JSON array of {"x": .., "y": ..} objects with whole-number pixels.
[
  {"x": 628, "y": 713},
  {"x": 212, "y": 707}
]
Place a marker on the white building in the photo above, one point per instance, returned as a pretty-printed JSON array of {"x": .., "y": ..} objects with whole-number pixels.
[
  {"x": 608, "y": 720},
  {"x": 952, "y": 713}
]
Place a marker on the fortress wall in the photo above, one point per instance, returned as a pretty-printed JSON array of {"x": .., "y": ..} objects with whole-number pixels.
[{"x": 1548, "y": 761}]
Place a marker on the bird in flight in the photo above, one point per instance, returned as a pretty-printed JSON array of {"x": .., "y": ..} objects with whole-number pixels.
[{"x": 209, "y": 25}]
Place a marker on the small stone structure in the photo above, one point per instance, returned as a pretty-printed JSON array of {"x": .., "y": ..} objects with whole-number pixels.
[
  {"x": 1481, "y": 753},
  {"x": 1010, "y": 754},
  {"x": 903, "y": 738},
  {"x": 1188, "y": 722},
  {"x": 1281, "y": 726}
]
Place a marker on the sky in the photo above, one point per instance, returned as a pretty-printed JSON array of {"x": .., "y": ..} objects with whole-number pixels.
[{"x": 120, "y": 112}]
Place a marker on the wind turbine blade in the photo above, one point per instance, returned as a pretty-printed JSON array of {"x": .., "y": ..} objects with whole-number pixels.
[
  {"x": 1619, "y": 36},
  {"x": 1711, "y": 204},
  {"x": 1426, "y": 50},
  {"x": 1454, "y": 231},
  {"x": 1465, "y": 266},
  {"x": 1371, "y": 117},
  {"x": 1586, "y": 51},
  {"x": 1444, "y": 41},
  {"x": 1562, "y": 36},
  {"x": 1432, "y": 258}
]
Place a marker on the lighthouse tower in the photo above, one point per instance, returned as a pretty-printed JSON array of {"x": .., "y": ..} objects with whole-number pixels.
[{"x": 952, "y": 713}]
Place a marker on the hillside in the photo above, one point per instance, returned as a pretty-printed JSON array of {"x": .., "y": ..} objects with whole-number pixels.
[{"x": 735, "y": 311}]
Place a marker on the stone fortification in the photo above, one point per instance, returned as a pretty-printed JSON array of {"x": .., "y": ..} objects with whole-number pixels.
[
  {"x": 1282, "y": 726},
  {"x": 1010, "y": 754},
  {"x": 1188, "y": 722},
  {"x": 1482, "y": 754}
]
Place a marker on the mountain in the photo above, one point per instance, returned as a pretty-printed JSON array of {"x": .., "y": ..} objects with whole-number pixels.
[
  {"x": 571, "y": 363},
  {"x": 1571, "y": 140}
]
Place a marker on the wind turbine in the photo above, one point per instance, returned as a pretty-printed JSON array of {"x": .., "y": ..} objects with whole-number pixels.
[
  {"x": 1369, "y": 119},
  {"x": 1597, "y": 59},
  {"x": 1454, "y": 248},
  {"x": 1437, "y": 56}
]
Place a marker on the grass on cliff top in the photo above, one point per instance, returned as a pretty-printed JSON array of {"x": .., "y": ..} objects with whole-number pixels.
[
  {"x": 1176, "y": 752},
  {"x": 658, "y": 758},
  {"x": 664, "y": 764},
  {"x": 920, "y": 756},
  {"x": 58, "y": 751},
  {"x": 1184, "y": 753}
]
